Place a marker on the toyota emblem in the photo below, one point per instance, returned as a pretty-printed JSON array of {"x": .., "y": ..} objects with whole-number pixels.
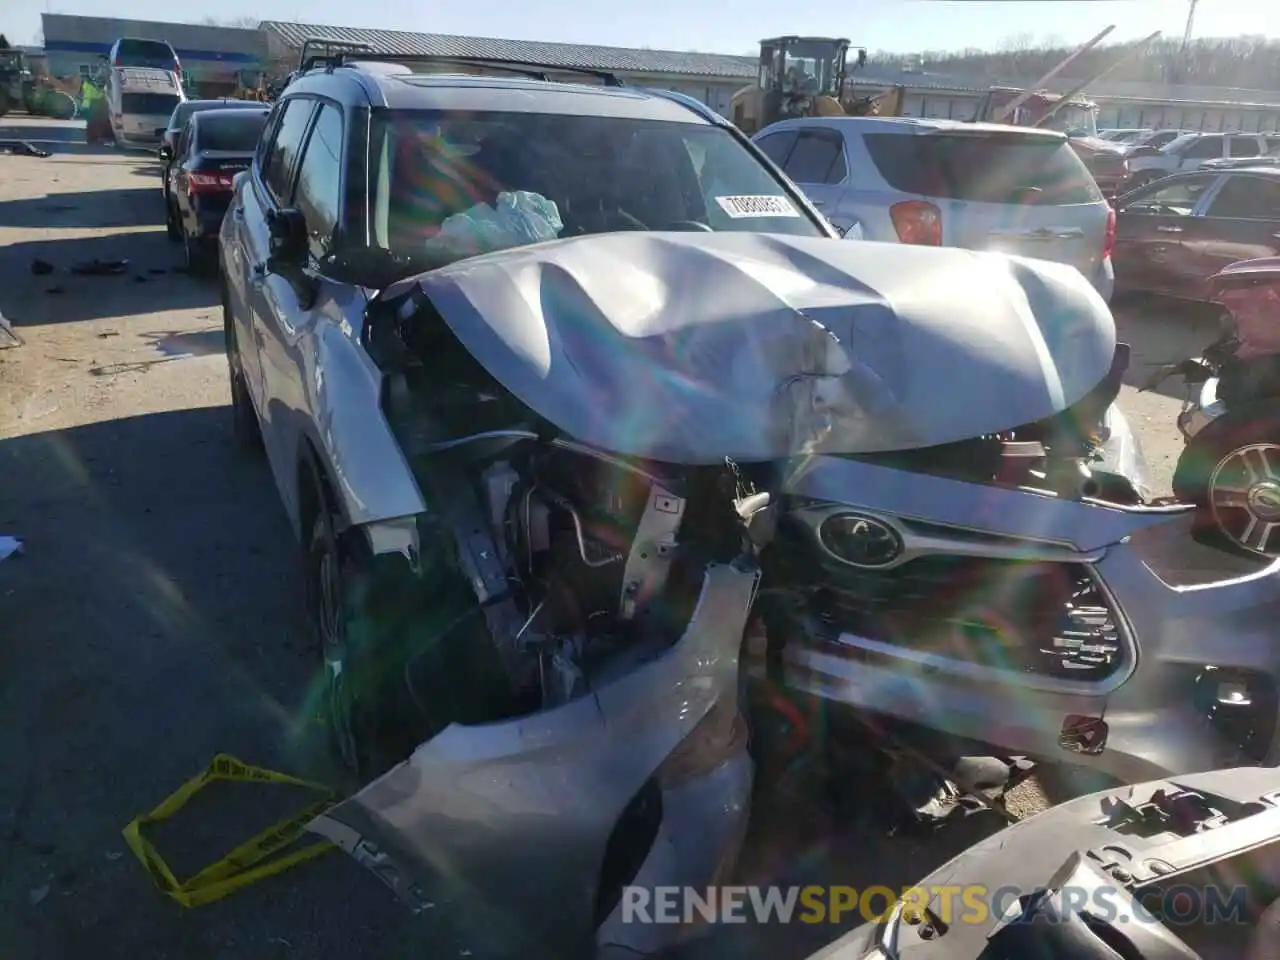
[{"x": 861, "y": 541}]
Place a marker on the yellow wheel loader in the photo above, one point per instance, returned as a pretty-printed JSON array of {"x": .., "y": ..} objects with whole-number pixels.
[{"x": 804, "y": 77}]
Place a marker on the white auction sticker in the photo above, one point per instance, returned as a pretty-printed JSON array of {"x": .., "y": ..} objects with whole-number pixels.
[{"x": 744, "y": 207}]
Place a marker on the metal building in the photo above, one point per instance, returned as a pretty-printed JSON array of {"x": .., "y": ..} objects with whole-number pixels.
[
  {"x": 213, "y": 58},
  {"x": 709, "y": 77}
]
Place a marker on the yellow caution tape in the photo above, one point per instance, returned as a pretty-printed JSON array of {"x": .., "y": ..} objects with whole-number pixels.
[{"x": 247, "y": 863}]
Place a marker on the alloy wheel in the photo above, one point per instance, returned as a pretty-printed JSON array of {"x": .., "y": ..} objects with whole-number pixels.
[{"x": 1244, "y": 494}]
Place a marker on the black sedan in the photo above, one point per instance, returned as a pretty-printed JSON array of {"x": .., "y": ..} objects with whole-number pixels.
[
  {"x": 213, "y": 147},
  {"x": 178, "y": 121}
]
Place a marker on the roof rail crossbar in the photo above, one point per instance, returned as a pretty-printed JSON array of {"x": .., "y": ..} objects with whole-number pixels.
[
  {"x": 331, "y": 47},
  {"x": 529, "y": 68}
]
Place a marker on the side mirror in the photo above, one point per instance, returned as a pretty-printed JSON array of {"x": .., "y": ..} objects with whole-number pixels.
[{"x": 288, "y": 232}]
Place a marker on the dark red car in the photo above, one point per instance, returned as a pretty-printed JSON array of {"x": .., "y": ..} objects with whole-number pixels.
[{"x": 1176, "y": 233}]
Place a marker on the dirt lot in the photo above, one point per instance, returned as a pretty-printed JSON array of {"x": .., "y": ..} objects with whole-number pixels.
[{"x": 155, "y": 618}]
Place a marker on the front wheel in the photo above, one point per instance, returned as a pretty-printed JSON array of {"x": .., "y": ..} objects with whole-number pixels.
[
  {"x": 332, "y": 585},
  {"x": 1231, "y": 472}
]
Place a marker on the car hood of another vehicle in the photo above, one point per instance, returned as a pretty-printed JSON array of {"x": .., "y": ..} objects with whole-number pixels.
[{"x": 693, "y": 347}]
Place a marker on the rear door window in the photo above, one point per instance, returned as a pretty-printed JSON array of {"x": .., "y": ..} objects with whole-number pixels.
[
  {"x": 1247, "y": 198},
  {"x": 1205, "y": 148},
  {"x": 777, "y": 146},
  {"x": 1243, "y": 147},
  {"x": 983, "y": 168},
  {"x": 148, "y": 104},
  {"x": 817, "y": 157},
  {"x": 1177, "y": 198}
]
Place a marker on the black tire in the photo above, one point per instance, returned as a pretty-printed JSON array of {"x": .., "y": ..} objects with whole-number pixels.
[
  {"x": 196, "y": 257},
  {"x": 1212, "y": 473},
  {"x": 172, "y": 227},
  {"x": 244, "y": 419},
  {"x": 336, "y": 581}
]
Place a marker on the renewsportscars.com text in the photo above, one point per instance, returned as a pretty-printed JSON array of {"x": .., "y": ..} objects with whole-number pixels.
[{"x": 1178, "y": 905}]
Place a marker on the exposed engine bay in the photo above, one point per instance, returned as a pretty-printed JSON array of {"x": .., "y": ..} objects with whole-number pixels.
[
  {"x": 603, "y": 560},
  {"x": 1067, "y": 455},
  {"x": 586, "y": 564}
]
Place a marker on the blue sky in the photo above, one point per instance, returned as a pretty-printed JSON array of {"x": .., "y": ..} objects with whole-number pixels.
[{"x": 712, "y": 25}]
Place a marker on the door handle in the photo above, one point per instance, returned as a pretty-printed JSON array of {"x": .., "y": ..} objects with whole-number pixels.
[
  {"x": 818, "y": 203},
  {"x": 238, "y": 213},
  {"x": 1169, "y": 229}
]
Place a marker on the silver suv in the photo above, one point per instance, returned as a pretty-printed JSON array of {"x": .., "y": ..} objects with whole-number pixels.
[{"x": 945, "y": 183}]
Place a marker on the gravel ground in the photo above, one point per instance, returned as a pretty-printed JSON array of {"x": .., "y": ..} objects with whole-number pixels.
[{"x": 155, "y": 619}]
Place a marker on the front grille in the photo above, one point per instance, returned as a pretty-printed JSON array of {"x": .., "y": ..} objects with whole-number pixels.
[{"x": 1047, "y": 619}]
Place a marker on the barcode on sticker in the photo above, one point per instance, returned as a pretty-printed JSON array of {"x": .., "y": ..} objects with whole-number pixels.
[{"x": 743, "y": 207}]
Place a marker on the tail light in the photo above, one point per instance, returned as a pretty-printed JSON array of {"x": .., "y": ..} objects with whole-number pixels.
[
  {"x": 715, "y": 738},
  {"x": 209, "y": 182},
  {"x": 1109, "y": 238},
  {"x": 918, "y": 222}
]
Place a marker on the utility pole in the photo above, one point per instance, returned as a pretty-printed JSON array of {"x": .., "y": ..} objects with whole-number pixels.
[{"x": 1184, "y": 52}]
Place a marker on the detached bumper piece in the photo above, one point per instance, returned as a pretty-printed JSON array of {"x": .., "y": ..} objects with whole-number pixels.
[{"x": 646, "y": 780}]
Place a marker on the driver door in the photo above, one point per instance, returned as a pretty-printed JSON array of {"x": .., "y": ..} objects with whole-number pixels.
[{"x": 1149, "y": 254}]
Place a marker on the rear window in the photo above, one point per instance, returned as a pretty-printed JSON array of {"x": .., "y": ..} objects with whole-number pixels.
[
  {"x": 145, "y": 53},
  {"x": 238, "y": 133},
  {"x": 148, "y": 104},
  {"x": 985, "y": 168}
]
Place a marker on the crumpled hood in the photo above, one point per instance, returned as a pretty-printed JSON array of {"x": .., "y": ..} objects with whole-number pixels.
[{"x": 693, "y": 347}]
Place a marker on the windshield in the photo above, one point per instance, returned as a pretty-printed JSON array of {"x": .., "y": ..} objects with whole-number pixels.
[
  {"x": 236, "y": 131},
  {"x": 188, "y": 107},
  {"x": 1076, "y": 120},
  {"x": 502, "y": 179},
  {"x": 145, "y": 53}
]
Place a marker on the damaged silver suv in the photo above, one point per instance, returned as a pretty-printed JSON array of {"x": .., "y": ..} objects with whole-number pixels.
[{"x": 564, "y": 387}]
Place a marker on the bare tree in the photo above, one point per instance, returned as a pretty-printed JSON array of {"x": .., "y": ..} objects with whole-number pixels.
[
  {"x": 239, "y": 23},
  {"x": 1251, "y": 62}
]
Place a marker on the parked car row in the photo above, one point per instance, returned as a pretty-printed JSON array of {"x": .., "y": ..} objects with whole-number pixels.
[
  {"x": 205, "y": 143},
  {"x": 1175, "y": 233},
  {"x": 1191, "y": 151}
]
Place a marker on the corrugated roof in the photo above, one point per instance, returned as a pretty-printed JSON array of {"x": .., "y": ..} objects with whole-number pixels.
[
  {"x": 62, "y": 28},
  {"x": 536, "y": 51}
]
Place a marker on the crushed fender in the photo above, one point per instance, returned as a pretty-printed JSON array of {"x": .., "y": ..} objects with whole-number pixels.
[{"x": 257, "y": 858}]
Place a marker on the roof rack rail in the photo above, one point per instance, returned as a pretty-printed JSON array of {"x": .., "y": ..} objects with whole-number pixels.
[
  {"x": 528, "y": 68},
  {"x": 331, "y": 48}
]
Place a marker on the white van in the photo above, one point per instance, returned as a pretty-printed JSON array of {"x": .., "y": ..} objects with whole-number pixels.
[{"x": 141, "y": 100}]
